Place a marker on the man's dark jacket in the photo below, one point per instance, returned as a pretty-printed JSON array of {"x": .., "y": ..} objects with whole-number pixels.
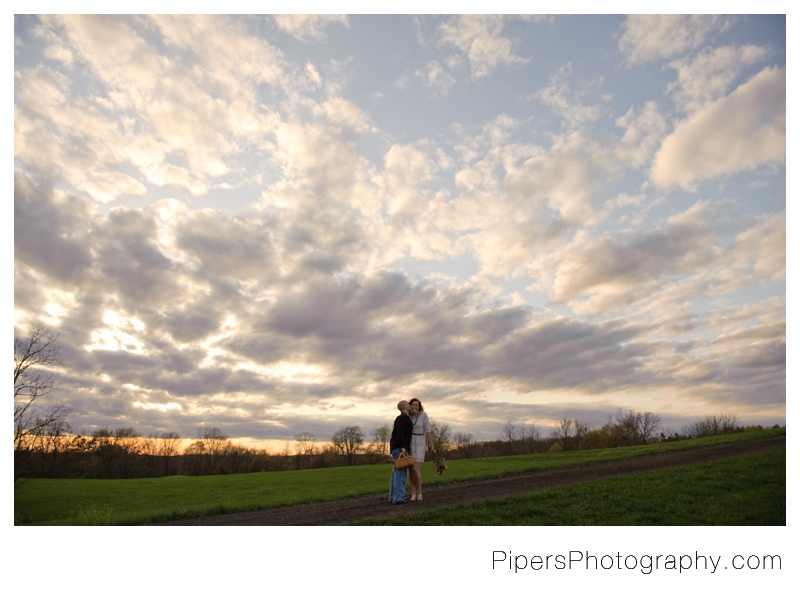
[{"x": 401, "y": 433}]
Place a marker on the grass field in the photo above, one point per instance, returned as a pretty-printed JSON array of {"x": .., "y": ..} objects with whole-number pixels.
[
  {"x": 141, "y": 501},
  {"x": 745, "y": 490}
]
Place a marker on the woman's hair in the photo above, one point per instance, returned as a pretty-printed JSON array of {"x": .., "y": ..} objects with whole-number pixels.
[{"x": 418, "y": 401}]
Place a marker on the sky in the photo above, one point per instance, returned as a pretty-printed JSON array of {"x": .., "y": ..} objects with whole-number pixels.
[{"x": 284, "y": 224}]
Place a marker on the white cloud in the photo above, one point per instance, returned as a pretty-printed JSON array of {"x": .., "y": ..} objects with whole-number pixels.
[
  {"x": 567, "y": 103},
  {"x": 435, "y": 78},
  {"x": 707, "y": 77},
  {"x": 762, "y": 249},
  {"x": 405, "y": 168},
  {"x": 162, "y": 98},
  {"x": 105, "y": 187},
  {"x": 643, "y": 131},
  {"x": 318, "y": 160},
  {"x": 71, "y": 139},
  {"x": 566, "y": 176},
  {"x": 647, "y": 37},
  {"x": 630, "y": 265},
  {"x": 343, "y": 114},
  {"x": 480, "y": 39},
  {"x": 227, "y": 247},
  {"x": 307, "y": 27},
  {"x": 739, "y": 132},
  {"x": 313, "y": 74}
]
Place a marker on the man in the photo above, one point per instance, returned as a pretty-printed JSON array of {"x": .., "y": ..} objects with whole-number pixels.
[{"x": 400, "y": 442}]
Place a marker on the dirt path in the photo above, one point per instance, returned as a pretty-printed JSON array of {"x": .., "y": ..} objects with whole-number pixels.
[{"x": 377, "y": 506}]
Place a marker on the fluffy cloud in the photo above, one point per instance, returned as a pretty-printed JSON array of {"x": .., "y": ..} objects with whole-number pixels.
[
  {"x": 567, "y": 103},
  {"x": 48, "y": 232},
  {"x": 646, "y": 37},
  {"x": 226, "y": 247},
  {"x": 479, "y": 38},
  {"x": 761, "y": 250},
  {"x": 707, "y": 77},
  {"x": 435, "y": 78},
  {"x": 309, "y": 27},
  {"x": 631, "y": 264},
  {"x": 169, "y": 109},
  {"x": 739, "y": 132}
]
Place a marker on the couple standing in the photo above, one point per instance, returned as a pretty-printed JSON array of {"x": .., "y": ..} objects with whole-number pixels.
[{"x": 411, "y": 431}]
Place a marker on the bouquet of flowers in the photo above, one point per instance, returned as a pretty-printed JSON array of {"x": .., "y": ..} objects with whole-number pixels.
[{"x": 439, "y": 464}]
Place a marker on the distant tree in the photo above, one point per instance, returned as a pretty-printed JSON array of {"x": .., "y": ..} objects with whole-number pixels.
[
  {"x": 581, "y": 429},
  {"x": 647, "y": 423},
  {"x": 626, "y": 429},
  {"x": 380, "y": 440},
  {"x": 464, "y": 444},
  {"x": 207, "y": 433},
  {"x": 564, "y": 435},
  {"x": 166, "y": 443},
  {"x": 529, "y": 432},
  {"x": 305, "y": 443},
  {"x": 440, "y": 432},
  {"x": 206, "y": 455},
  {"x": 197, "y": 447},
  {"x": 714, "y": 425},
  {"x": 633, "y": 427},
  {"x": 126, "y": 433},
  {"x": 215, "y": 442},
  {"x": 522, "y": 437},
  {"x": 33, "y": 355},
  {"x": 347, "y": 442},
  {"x": 128, "y": 440},
  {"x": 164, "y": 447},
  {"x": 510, "y": 432},
  {"x": 104, "y": 432}
]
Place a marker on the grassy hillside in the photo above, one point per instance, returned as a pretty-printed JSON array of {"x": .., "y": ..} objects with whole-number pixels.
[
  {"x": 745, "y": 490},
  {"x": 140, "y": 501}
]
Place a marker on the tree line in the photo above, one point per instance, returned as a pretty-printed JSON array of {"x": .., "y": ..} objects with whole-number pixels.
[
  {"x": 627, "y": 428},
  {"x": 125, "y": 453}
]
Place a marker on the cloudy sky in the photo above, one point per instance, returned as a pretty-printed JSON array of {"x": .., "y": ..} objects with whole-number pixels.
[{"x": 280, "y": 224}]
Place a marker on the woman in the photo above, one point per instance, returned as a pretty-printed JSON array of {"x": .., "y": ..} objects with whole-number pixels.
[{"x": 420, "y": 435}]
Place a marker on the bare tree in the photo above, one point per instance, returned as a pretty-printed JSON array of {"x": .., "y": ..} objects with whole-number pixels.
[
  {"x": 529, "y": 432},
  {"x": 211, "y": 434},
  {"x": 440, "y": 431},
  {"x": 305, "y": 443},
  {"x": 347, "y": 441},
  {"x": 165, "y": 447},
  {"x": 647, "y": 422},
  {"x": 626, "y": 429},
  {"x": 33, "y": 354},
  {"x": 633, "y": 427},
  {"x": 382, "y": 434},
  {"x": 464, "y": 443},
  {"x": 713, "y": 425},
  {"x": 214, "y": 441},
  {"x": 581, "y": 429},
  {"x": 510, "y": 432},
  {"x": 522, "y": 437},
  {"x": 166, "y": 443},
  {"x": 569, "y": 433}
]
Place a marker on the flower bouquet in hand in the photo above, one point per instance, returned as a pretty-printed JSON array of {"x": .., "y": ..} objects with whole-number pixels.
[{"x": 439, "y": 464}]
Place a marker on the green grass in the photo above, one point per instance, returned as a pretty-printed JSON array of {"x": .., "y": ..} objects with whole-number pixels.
[
  {"x": 141, "y": 501},
  {"x": 745, "y": 490}
]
